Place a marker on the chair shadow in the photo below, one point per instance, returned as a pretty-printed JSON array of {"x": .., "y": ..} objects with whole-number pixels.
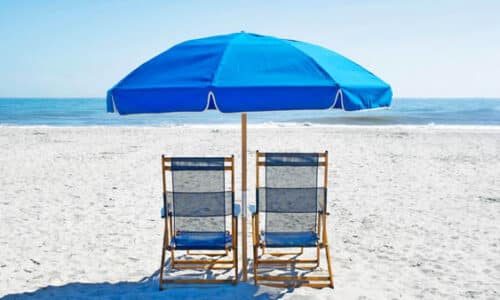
[{"x": 148, "y": 288}]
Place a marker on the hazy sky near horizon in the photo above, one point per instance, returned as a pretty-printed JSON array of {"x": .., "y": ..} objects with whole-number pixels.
[{"x": 82, "y": 48}]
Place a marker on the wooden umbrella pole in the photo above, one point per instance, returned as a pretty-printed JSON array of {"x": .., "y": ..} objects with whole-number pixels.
[{"x": 244, "y": 266}]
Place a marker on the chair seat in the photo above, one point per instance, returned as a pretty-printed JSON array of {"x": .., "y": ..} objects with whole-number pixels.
[
  {"x": 201, "y": 240},
  {"x": 290, "y": 239}
]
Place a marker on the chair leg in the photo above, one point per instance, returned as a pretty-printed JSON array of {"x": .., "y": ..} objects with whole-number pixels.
[
  {"x": 318, "y": 248},
  {"x": 255, "y": 263},
  {"x": 235, "y": 248},
  {"x": 172, "y": 258},
  {"x": 318, "y": 255},
  {"x": 163, "y": 250},
  {"x": 255, "y": 249},
  {"x": 327, "y": 249},
  {"x": 235, "y": 253},
  {"x": 328, "y": 261}
]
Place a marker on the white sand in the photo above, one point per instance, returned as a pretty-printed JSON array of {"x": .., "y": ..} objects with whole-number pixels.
[{"x": 415, "y": 211}]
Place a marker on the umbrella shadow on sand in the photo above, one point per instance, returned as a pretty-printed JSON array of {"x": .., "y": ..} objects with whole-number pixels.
[{"x": 147, "y": 288}]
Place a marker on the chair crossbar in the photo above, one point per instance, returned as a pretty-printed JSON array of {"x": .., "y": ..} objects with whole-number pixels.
[
  {"x": 199, "y": 281},
  {"x": 190, "y": 252},
  {"x": 278, "y": 253},
  {"x": 287, "y": 261},
  {"x": 296, "y": 284},
  {"x": 203, "y": 261}
]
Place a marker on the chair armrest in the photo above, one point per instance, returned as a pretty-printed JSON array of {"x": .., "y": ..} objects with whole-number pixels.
[
  {"x": 237, "y": 210},
  {"x": 253, "y": 209}
]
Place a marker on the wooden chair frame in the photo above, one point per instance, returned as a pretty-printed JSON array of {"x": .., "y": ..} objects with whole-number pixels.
[
  {"x": 206, "y": 264},
  {"x": 292, "y": 281}
]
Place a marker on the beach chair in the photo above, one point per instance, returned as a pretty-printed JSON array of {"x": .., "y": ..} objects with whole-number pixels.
[
  {"x": 290, "y": 212},
  {"x": 200, "y": 215}
]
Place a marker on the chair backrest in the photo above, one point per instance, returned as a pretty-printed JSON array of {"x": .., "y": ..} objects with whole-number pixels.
[
  {"x": 200, "y": 197},
  {"x": 290, "y": 195}
]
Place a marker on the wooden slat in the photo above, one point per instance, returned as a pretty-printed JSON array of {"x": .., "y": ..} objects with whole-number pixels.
[
  {"x": 263, "y": 163},
  {"x": 202, "y": 267},
  {"x": 278, "y": 253},
  {"x": 285, "y": 253},
  {"x": 286, "y": 261},
  {"x": 263, "y": 154},
  {"x": 199, "y": 281},
  {"x": 297, "y": 284},
  {"x": 203, "y": 262},
  {"x": 226, "y": 168},
  {"x": 228, "y": 159},
  {"x": 169, "y": 159},
  {"x": 294, "y": 278},
  {"x": 208, "y": 253}
]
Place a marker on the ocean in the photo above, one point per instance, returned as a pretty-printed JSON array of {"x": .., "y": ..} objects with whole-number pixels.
[{"x": 407, "y": 111}]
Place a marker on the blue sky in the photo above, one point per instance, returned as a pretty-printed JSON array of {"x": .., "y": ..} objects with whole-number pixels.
[{"x": 82, "y": 48}]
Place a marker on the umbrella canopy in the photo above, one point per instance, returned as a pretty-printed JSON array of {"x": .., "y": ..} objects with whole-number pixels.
[{"x": 245, "y": 72}]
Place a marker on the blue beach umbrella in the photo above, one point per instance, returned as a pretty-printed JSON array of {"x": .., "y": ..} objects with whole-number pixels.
[{"x": 243, "y": 72}]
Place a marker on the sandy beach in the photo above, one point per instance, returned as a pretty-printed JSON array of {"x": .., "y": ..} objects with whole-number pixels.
[{"x": 415, "y": 211}]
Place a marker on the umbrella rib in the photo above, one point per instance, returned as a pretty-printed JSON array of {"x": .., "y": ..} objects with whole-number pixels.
[
  {"x": 318, "y": 65},
  {"x": 217, "y": 70}
]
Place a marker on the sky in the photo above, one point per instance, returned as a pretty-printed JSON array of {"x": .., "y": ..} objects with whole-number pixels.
[{"x": 447, "y": 48}]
